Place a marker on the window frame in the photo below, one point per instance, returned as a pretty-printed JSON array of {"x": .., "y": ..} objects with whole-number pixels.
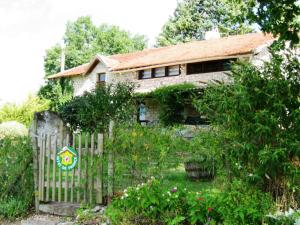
[
  {"x": 166, "y": 72},
  {"x": 99, "y": 81},
  {"x": 208, "y": 66}
]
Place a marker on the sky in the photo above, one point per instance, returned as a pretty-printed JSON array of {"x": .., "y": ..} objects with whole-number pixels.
[{"x": 29, "y": 27}]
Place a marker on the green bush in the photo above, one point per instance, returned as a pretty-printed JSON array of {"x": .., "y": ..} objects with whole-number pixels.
[
  {"x": 16, "y": 189},
  {"x": 259, "y": 114},
  {"x": 93, "y": 110},
  {"x": 151, "y": 203},
  {"x": 143, "y": 151}
]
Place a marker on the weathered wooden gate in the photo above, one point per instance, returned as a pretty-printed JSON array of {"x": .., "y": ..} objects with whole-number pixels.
[{"x": 87, "y": 182}]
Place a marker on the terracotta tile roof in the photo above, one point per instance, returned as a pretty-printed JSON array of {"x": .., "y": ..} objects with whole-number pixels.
[
  {"x": 78, "y": 70},
  {"x": 181, "y": 53}
]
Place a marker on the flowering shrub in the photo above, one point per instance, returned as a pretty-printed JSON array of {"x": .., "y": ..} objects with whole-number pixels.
[{"x": 150, "y": 203}]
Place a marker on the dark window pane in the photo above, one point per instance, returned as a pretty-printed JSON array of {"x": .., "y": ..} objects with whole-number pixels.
[{"x": 209, "y": 66}]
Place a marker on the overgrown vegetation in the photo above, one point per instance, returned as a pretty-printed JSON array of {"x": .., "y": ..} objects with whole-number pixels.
[
  {"x": 57, "y": 92},
  {"x": 151, "y": 203},
  {"x": 93, "y": 110},
  {"x": 16, "y": 189},
  {"x": 259, "y": 121},
  {"x": 172, "y": 101}
]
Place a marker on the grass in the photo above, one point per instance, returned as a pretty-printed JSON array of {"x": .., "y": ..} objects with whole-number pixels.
[{"x": 178, "y": 178}]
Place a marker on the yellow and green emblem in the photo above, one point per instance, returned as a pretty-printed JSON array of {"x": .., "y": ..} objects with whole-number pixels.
[{"x": 67, "y": 158}]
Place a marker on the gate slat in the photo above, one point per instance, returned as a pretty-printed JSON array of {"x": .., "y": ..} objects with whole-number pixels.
[
  {"x": 43, "y": 168},
  {"x": 48, "y": 150},
  {"x": 61, "y": 128},
  {"x": 73, "y": 172},
  {"x": 67, "y": 174},
  {"x": 86, "y": 167},
  {"x": 40, "y": 166},
  {"x": 54, "y": 169},
  {"x": 91, "y": 181},
  {"x": 100, "y": 170},
  {"x": 79, "y": 169}
]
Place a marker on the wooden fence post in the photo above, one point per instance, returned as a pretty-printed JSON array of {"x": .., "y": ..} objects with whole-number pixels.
[
  {"x": 100, "y": 169},
  {"x": 35, "y": 162},
  {"x": 110, "y": 186}
]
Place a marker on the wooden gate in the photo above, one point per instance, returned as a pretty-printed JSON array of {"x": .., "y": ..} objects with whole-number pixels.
[{"x": 87, "y": 182}]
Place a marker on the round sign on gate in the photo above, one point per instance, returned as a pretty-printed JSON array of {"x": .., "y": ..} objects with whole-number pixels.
[{"x": 67, "y": 158}]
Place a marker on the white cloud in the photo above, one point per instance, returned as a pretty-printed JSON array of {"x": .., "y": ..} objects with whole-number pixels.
[{"x": 29, "y": 27}]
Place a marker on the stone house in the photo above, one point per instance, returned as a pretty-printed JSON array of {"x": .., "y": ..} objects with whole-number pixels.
[{"x": 197, "y": 62}]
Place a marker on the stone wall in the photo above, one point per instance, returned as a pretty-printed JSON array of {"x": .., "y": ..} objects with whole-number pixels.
[{"x": 88, "y": 82}]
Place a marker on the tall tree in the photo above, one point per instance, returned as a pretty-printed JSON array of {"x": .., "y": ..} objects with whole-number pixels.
[
  {"x": 192, "y": 18},
  {"x": 83, "y": 40},
  {"x": 280, "y": 17}
]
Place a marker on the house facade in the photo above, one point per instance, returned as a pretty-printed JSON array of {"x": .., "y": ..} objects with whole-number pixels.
[{"x": 198, "y": 62}]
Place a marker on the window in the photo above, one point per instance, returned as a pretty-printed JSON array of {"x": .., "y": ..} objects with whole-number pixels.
[
  {"x": 173, "y": 70},
  {"x": 159, "y": 72},
  {"x": 142, "y": 112},
  {"x": 101, "y": 77},
  {"x": 145, "y": 74},
  {"x": 209, "y": 66}
]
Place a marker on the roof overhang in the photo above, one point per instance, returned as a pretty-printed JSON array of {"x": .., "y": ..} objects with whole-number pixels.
[{"x": 244, "y": 55}]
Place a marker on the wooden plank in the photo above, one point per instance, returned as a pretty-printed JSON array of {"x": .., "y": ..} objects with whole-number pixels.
[
  {"x": 110, "y": 185},
  {"x": 100, "y": 169},
  {"x": 54, "y": 170},
  {"x": 91, "y": 180},
  {"x": 61, "y": 142},
  {"x": 34, "y": 140},
  {"x": 43, "y": 168},
  {"x": 86, "y": 167},
  {"x": 79, "y": 169},
  {"x": 48, "y": 152},
  {"x": 40, "y": 165},
  {"x": 73, "y": 172},
  {"x": 67, "y": 173}
]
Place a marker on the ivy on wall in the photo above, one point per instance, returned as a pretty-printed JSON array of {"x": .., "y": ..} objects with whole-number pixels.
[{"x": 172, "y": 100}]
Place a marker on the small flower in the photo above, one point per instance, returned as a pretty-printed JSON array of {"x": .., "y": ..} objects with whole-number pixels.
[
  {"x": 174, "y": 190},
  {"x": 209, "y": 209}
]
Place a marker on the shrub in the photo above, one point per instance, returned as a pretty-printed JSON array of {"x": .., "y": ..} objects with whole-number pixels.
[
  {"x": 143, "y": 151},
  {"x": 16, "y": 189},
  {"x": 93, "y": 110},
  {"x": 260, "y": 116},
  {"x": 12, "y": 129},
  {"x": 150, "y": 203},
  {"x": 242, "y": 204}
]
